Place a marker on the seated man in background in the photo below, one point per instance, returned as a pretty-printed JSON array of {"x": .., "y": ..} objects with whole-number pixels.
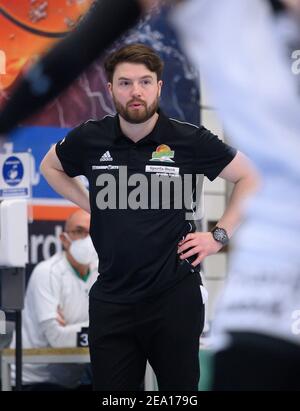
[{"x": 56, "y": 305}]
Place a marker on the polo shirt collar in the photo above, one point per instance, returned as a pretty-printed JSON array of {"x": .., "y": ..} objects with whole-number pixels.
[{"x": 156, "y": 134}]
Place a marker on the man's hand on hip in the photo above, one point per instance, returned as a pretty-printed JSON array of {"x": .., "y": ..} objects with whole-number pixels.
[{"x": 199, "y": 245}]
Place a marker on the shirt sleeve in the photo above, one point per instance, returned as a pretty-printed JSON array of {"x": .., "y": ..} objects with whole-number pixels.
[
  {"x": 212, "y": 154},
  {"x": 61, "y": 336},
  {"x": 70, "y": 152},
  {"x": 42, "y": 295}
]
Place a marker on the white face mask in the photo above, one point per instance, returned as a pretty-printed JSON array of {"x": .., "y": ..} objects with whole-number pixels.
[{"x": 82, "y": 250}]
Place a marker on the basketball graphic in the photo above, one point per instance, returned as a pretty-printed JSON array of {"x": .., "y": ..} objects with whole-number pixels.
[{"x": 30, "y": 27}]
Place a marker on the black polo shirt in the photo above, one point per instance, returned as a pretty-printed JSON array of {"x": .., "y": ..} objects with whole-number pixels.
[{"x": 136, "y": 229}]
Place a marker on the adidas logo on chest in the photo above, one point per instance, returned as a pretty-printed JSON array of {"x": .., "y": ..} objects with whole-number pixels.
[{"x": 106, "y": 157}]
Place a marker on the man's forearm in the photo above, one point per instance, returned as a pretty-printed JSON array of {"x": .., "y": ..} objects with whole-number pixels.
[
  {"x": 70, "y": 188},
  {"x": 203, "y": 244},
  {"x": 233, "y": 214},
  {"x": 58, "y": 336}
]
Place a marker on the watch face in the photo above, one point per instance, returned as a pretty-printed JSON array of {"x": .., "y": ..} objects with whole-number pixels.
[{"x": 220, "y": 235}]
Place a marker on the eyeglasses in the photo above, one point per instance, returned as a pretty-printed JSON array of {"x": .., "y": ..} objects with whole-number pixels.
[{"x": 79, "y": 232}]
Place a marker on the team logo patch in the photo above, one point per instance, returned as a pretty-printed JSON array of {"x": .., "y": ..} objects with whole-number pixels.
[{"x": 163, "y": 153}]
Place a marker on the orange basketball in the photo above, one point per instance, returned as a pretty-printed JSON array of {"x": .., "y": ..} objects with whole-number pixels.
[{"x": 29, "y": 27}]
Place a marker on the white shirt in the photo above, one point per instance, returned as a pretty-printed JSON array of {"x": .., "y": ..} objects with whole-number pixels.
[
  {"x": 243, "y": 62},
  {"x": 52, "y": 284}
]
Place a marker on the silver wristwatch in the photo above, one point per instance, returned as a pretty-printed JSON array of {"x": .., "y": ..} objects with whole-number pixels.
[{"x": 220, "y": 235}]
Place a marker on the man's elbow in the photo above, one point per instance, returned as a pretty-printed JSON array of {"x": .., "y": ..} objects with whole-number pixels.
[
  {"x": 251, "y": 181},
  {"x": 43, "y": 167},
  {"x": 254, "y": 178},
  {"x": 48, "y": 163}
]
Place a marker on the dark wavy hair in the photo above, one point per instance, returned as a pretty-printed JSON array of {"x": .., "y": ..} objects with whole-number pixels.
[{"x": 134, "y": 53}]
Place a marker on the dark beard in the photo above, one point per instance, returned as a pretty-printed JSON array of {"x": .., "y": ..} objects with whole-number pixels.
[{"x": 136, "y": 117}]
